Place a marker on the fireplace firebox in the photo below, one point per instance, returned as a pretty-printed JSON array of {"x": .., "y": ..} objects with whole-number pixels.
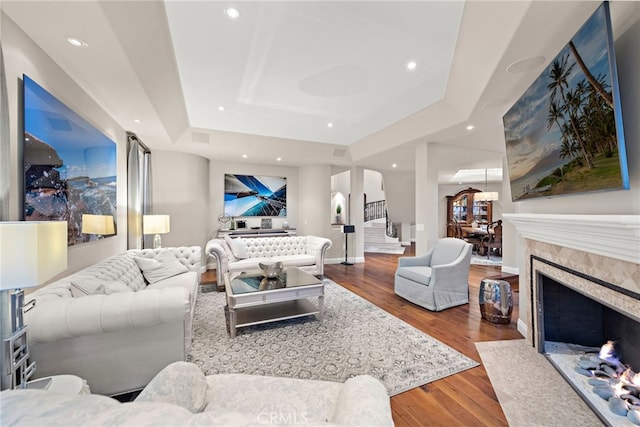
[{"x": 573, "y": 326}]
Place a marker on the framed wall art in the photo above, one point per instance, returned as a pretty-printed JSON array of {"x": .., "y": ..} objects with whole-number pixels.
[
  {"x": 69, "y": 165},
  {"x": 253, "y": 195}
]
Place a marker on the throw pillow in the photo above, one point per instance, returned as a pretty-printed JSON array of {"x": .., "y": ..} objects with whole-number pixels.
[
  {"x": 161, "y": 267},
  {"x": 84, "y": 285},
  {"x": 237, "y": 247},
  {"x": 109, "y": 288}
]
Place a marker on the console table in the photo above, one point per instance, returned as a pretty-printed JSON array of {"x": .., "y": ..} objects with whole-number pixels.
[{"x": 257, "y": 232}]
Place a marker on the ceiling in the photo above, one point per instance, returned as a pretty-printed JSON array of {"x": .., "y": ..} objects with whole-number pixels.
[{"x": 282, "y": 71}]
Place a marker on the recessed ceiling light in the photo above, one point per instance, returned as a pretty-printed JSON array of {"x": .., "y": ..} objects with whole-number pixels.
[
  {"x": 74, "y": 41},
  {"x": 221, "y": 108},
  {"x": 136, "y": 120},
  {"x": 232, "y": 13},
  {"x": 244, "y": 156},
  {"x": 330, "y": 124},
  {"x": 470, "y": 127},
  {"x": 394, "y": 165},
  {"x": 279, "y": 159},
  {"x": 411, "y": 65}
]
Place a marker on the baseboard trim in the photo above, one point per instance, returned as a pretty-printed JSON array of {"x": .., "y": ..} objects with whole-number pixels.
[
  {"x": 522, "y": 328},
  {"x": 510, "y": 270},
  {"x": 340, "y": 260}
]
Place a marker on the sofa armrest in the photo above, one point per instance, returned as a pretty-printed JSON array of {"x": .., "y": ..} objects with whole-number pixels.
[
  {"x": 59, "y": 318},
  {"x": 180, "y": 383},
  {"x": 363, "y": 401},
  {"x": 217, "y": 249},
  {"x": 318, "y": 246}
]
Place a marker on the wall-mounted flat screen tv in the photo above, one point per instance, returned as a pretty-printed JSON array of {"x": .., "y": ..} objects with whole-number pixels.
[
  {"x": 565, "y": 134},
  {"x": 69, "y": 165},
  {"x": 253, "y": 195}
]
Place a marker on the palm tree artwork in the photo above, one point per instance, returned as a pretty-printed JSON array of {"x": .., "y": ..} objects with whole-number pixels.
[{"x": 562, "y": 135}]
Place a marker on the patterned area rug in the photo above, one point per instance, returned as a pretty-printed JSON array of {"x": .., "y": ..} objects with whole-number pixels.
[
  {"x": 355, "y": 337},
  {"x": 483, "y": 260}
]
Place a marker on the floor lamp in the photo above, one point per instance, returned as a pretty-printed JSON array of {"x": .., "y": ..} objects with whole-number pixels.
[
  {"x": 347, "y": 229},
  {"x": 31, "y": 252}
]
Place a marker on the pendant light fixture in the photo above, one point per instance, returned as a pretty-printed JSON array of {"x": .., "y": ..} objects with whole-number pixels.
[{"x": 486, "y": 196}]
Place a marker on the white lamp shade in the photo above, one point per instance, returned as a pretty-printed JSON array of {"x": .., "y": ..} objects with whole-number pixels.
[
  {"x": 486, "y": 196},
  {"x": 31, "y": 252},
  {"x": 155, "y": 224},
  {"x": 97, "y": 224}
]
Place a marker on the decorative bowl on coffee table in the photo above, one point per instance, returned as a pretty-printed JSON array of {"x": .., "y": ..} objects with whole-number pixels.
[{"x": 271, "y": 270}]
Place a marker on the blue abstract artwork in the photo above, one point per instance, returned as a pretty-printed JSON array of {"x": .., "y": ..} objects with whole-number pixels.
[{"x": 251, "y": 195}]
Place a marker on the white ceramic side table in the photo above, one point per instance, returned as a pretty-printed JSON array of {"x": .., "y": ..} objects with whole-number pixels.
[{"x": 64, "y": 384}]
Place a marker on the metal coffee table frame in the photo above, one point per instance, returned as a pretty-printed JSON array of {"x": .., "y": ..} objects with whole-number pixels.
[{"x": 248, "y": 306}]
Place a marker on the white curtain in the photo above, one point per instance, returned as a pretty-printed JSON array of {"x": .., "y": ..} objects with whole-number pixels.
[{"x": 139, "y": 191}]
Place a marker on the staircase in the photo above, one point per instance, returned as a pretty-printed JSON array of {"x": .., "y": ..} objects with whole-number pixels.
[{"x": 376, "y": 240}]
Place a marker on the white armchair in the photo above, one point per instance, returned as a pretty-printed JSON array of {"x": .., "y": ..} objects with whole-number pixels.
[{"x": 439, "y": 279}]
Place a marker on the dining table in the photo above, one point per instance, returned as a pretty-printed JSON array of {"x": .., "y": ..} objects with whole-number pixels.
[{"x": 477, "y": 232}]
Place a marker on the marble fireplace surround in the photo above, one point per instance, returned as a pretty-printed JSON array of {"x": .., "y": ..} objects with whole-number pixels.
[{"x": 601, "y": 247}]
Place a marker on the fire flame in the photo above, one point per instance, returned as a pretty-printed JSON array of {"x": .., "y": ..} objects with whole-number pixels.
[
  {"x": 607, "y": 351},
  {"x": 618, "y": 390},
  {"x": 630, "y": 377}
]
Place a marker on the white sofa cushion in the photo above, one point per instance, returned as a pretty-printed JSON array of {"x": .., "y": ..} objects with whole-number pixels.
[
  {"x": 247, "y": 264},
  {"x": 163, "y": 266},
  {"x": 114, "y": 287},
  {"x": 294, "y": 260},
  {"x": 88, "y": 285},
  {"x": 237, "y": 247},
  {"x": 418, "y": 274}
]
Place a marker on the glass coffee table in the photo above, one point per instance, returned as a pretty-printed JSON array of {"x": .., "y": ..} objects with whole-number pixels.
[{"x": 253, "y": 299}]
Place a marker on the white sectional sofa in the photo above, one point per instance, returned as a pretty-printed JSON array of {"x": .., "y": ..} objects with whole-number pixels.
[
  {"x": 182, "y": 395},
  {"x": 114, "y": 324},
  {"x": 245, "y": 253}
]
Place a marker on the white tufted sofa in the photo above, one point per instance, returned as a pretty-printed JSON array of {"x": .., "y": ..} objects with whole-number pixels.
[
  {"x": 181, "y": 395},
  {"x": 117, "y": 340},
  {"x": 245, "y": 253}
]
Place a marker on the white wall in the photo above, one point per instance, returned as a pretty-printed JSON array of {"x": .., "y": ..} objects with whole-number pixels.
[
  {"x": 23, "y": 56},
  {"x": 180, "y": 189},
  {"x": 373, "y": 186},
  {"x": 399, "y": 188}
]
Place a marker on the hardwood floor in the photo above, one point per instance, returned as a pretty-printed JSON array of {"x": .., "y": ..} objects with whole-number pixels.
[{"x": 463, "y": 399}]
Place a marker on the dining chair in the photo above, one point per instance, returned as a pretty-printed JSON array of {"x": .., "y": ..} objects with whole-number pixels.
[{"x": 493, "y": 240}]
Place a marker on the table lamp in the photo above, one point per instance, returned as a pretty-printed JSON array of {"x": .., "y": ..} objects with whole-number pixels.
[
  {"x": 156, "y": 224},
  {"x": 31, "y": 252},
  {"x": 102, "y": 225}
]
